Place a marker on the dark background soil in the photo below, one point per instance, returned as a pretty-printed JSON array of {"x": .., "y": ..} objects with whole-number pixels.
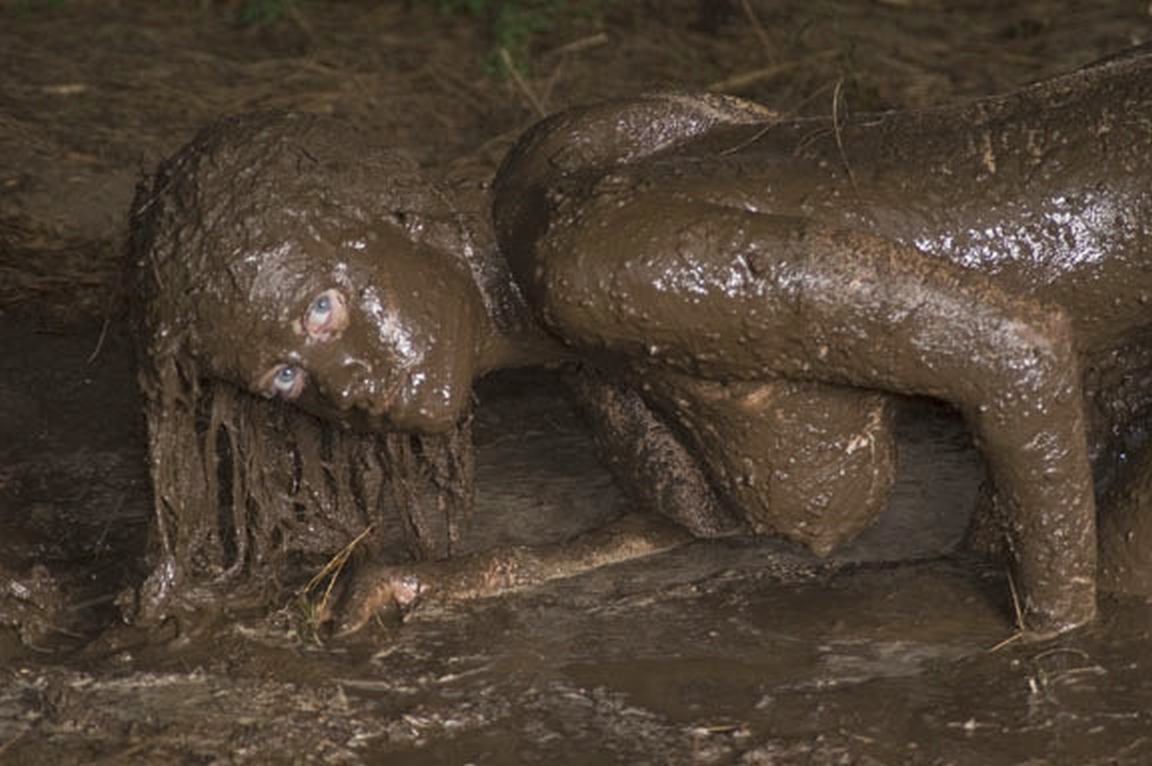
[
  {"x": 95, "y": 92},
  {"x": 730, "y": 653}
]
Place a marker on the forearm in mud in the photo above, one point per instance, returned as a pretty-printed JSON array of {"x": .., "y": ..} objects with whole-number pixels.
[
  {"x": 648, "y": 461},
  {"x": 397, "y": 589},
  {"x": 1010, "y": 366},
  {"x": 1038, "y": 462},
  {"x": 1022, "y": 398},
  {"x": 1023, "y": 402}
]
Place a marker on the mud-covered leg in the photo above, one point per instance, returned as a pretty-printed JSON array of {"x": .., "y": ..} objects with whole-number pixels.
[
  {"x": 396, "y": 589},
  {"x": 811, "y": 462}
]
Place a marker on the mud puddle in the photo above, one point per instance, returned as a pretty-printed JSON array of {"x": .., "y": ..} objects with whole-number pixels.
[{"x": 736, "y": 652}]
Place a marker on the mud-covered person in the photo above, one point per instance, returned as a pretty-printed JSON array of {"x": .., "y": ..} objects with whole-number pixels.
[{"x": 740, "y": 292}]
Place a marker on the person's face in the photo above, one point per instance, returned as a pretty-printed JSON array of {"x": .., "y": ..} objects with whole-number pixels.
[{"x": 372, "y": 330}]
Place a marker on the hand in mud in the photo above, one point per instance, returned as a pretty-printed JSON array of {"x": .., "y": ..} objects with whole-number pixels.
[
  {"x": 377, "y": 591},
  {"x": 394, "y": 591}
]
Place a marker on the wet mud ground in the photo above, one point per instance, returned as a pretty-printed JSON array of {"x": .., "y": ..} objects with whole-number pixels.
[{"x": 739, "y": 651}]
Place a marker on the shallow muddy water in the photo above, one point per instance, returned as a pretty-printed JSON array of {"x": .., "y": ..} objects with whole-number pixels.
[{"x": 735, "y": 651}]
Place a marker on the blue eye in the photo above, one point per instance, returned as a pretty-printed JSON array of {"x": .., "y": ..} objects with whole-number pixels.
[
  {"x": 285, "y": 378},
  {"x": 325, "y": 318},
  {"x": 320, "y": 310}
]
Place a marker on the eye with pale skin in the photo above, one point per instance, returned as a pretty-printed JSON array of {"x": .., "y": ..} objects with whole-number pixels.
[
  {"x": 325, "y": 318},
  {"x": 283, "y": 380}
]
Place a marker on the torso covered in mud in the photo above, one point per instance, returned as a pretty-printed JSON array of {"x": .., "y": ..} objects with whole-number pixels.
[{"x": 765, "y": 282}]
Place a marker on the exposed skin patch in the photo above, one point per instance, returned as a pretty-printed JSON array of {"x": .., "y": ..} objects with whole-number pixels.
[{"x": 742, "y": 308}]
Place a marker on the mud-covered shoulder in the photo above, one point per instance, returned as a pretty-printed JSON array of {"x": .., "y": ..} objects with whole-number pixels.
[
  {"x": 617, "y": 132},
  {"x": 588, "y": 141}
]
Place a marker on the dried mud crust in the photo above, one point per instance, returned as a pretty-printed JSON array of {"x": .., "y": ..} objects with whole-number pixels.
[{"x": 723, "y": 653}]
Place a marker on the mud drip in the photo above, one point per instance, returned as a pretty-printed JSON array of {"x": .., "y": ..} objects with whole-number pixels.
[
  {"x": 243, "y": 482},
  {"x": 267, "y": 483}
]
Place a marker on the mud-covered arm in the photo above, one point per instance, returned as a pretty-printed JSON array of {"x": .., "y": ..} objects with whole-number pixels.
[
  {"x": 648, "y": 460},
  {"x": 379, "y": 589},
  {"x": 616, "y": 133},
  {"x": 723, "y": 293}
]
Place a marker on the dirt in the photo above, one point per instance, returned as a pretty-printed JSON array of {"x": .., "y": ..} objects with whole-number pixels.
[{"x": 738, "y": 651}]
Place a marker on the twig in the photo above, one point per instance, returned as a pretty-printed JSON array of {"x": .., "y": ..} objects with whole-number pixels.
[
  {"x": 745, "y": 79},
  {"x": 552, "y": 80},
  {"x": 514, "y": 73},
  {"x": 757, "y": 27},
  {"x": 100, "y": 341},
  {"x": 296, "y": 14},
  {"x": 768, "y": 125},
  {"x": 1016, "y": 608},
  {"x": 836, "y": 95},
  {"x": 334, "y": 567},
  {"x": 7, "y": 745},
  {"x": 1019, "y": 634},
  {"x": 1010, "y": 640},
  {"x": 583, "y": 44},
  {"x": 106, "y": 598},
  {"x": 131, "y": 750}
]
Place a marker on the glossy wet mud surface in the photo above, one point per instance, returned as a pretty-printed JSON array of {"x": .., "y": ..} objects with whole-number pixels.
[{"x": 736, "y": 651}]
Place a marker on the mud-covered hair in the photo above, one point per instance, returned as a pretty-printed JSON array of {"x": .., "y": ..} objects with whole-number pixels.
[{"x": 244, "y": 486}]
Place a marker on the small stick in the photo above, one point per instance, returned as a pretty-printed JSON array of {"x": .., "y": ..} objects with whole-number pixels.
[
  {"x": 744, "y": 79},
  {"x": 757, "y": 27},
  {"x": 583, "y": 44},
  {"x": 100, "y": 341},
  {"x": 552, "y": 80},
  {"x": 506, "y": 58},
  {"x": 294, "y": 12},
  {"x": 6, "y": 746},
  {"x": 836, "y": 94},
  {"x": 334, "y": 567},
  {"x": 1019, "y": 634}
]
